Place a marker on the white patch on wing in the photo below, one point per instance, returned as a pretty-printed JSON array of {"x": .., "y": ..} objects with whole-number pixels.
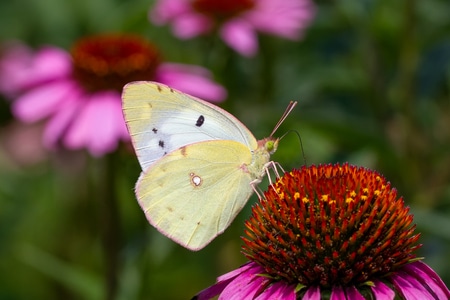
[{"x": 177, "y": 129}]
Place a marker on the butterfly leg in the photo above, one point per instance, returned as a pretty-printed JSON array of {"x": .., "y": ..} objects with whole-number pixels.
[
  {"x": 269, "y": 165},
  {"x": 254, "y": 185},
  {"x": 273, "y": 165}
]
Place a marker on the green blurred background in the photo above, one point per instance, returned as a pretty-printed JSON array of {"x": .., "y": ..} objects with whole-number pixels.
[{"x": 373, "y": 83}]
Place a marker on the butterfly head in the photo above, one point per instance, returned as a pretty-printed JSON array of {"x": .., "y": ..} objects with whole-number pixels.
[{"x": 270, "y": 144}]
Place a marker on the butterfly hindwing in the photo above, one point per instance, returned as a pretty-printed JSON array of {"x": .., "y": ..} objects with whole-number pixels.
[
  {"x": 161, "y": 119},
  {"x": 193, "y": 193}
]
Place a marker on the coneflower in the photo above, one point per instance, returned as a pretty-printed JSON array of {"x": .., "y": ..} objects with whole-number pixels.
[{"x": 330, "y": 232}]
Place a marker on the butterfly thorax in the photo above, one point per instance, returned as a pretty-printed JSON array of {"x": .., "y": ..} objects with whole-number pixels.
[{"x": 261, "y": 156}]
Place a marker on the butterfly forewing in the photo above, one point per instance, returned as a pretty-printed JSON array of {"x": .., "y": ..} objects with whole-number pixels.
[{"x": 161, "y": 119}]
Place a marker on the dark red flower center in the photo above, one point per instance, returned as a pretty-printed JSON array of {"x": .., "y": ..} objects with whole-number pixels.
[
  {"x": 222, "y": 9},
  {"x": 108, "y": 62},
  {"x": 330, "y": 225}
]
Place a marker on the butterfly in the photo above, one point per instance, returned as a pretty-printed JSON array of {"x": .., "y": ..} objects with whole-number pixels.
[{"x": 199, "y": 163}]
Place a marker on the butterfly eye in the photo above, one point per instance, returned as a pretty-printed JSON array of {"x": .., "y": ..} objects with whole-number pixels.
[{"x": 271, "y": 146}]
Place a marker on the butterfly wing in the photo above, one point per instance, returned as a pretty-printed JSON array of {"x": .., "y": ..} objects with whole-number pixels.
[
  {"x": 161, "y": 120},
  {"x": 193, "y": 194}
]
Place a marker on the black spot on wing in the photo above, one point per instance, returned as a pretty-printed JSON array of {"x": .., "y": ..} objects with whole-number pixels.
[
  {"x": 200, "y": 121},
  {"x": 161, "y": 143},
  {"x": 155, "y": 130}
]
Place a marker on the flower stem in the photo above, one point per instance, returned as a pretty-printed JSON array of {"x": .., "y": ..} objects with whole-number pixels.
[{"x": 110, "y": 227}]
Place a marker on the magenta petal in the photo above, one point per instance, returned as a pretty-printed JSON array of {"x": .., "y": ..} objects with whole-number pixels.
[
  {"x": 313, "y": 293},
  {"x": 192, "y": 80},
  {"x": 14, "y": 63},
  {"x": 248, "y": 267},
  {"x": 240, "y": 36},
  {"x": 191, "y": 25},
  {"x": 353, "y": 293},
  {"x": 337, "y": 293},
  {"x": 428, "y": 278},
  {"x": 410, "y": 288},
  {"x": 166, "y": 10},
  {"x": 50, "y": 63},
  {"x": 283, "y": 18},
  {"x": 42, "y": 101},
  {"x": 61, "y": 120},
  {"x": 96, "y": 126},
  {"x": 186, "y": 23},
  {"x": 278, "y": 291},
  {"x": 212, "y": 291},
  {"x": 248, "y": 291},
  {"x": 113, "y": 104},
  {"x": 21, "y": 69},
  {"x": 224, "y": 280},
  {"x": 244, "y": 286},
  {"x": 382, "y": 291}
]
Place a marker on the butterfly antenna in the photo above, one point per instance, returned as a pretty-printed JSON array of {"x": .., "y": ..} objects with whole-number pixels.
[
  {"x": 286, "y": 113},
  {"x": 300, "y": 141}
]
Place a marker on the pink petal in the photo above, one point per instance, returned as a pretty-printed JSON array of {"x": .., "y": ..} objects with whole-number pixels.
[
  {"x": 248, "y": 267},
  {"x": 410, "y": 288},
  {"x": 42, "y": 101},
  {"x": 382, "y": 291},
  {"x": 21, "y": 69},
  {"x": 50, "y": 63},
  {"x": 166, "y": 10},
  {"x": 99, "y": 126},
  {"x": 278, "y": 291},
  {"x": 186, "y": 23},
  {"x": 353, "y": 293},
  {"x": 213, "y": 290},
  {"x": 61, "y": 120},
  {"x": 284, "y": 18},
  {"x": 313, "y": 293},
  {"x": 191, "y": 25},
  {"x": 428, "y": 278},
  {"x": 240, "y": 36},
  {"x": 338, "y": 293},
  {"x": 192, "y": 80},
  {"x": 15, "y": 58},
  {"x": 241, "y": 287}
]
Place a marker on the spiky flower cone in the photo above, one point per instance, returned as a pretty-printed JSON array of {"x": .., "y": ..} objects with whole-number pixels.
[{"x": 330, "y": 225}]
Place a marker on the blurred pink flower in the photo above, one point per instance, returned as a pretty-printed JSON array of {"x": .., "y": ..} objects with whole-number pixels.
[
  {"x": 79, "y": 92},
  {"x": 237, "y": 21}
]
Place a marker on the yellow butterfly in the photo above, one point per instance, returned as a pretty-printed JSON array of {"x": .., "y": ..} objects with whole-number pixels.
[{"x": 200, "y": 164}]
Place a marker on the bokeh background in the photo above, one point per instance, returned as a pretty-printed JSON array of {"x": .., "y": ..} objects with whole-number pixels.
[{"x": 373, "y": 83}]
